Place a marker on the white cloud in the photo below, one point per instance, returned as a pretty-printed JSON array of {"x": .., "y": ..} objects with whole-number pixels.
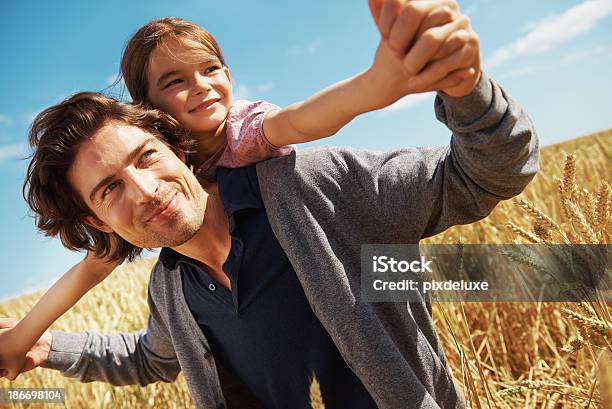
[
  {"x": 520, "y": 72},
  {"x": 13, "y": 151},
  {"x": 5, "y": 120},
  {"x": 242, "y": 91},
  {"x": 553, "y": 30},
  {"x": 410, "y": 101},
  {"x": 309, "y": 49},
  {"x": 590, "y": 54}
]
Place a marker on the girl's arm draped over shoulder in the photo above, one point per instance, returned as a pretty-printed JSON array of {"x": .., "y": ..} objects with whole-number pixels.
[{"x": 64, "y": 294}]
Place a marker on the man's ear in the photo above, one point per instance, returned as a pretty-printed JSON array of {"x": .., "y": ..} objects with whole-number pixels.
[{"x": 97, "y": 224}]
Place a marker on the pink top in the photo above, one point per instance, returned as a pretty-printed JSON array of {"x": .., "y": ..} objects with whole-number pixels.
[{"x": 246, "y": 143}]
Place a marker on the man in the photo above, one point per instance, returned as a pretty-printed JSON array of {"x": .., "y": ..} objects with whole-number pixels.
[{"x": 258, "y": 283}]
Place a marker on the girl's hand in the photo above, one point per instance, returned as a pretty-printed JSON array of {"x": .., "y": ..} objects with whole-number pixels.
[
  {"x": 425, "y": 46},
  {"x": 14, "y": 360}
]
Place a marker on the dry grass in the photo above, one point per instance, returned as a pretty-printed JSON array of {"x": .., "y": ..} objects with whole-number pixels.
[
  {"x": 538, "y": 355},
  {"x": 505, "y": 355}
]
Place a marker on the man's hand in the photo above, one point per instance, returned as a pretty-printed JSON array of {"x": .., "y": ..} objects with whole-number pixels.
[
  {"x": 426, "y": 45},
  {"x": 14, "y": 362}
]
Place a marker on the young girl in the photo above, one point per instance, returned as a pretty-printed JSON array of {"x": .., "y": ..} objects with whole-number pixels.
[{"x": 177, "y": 67}]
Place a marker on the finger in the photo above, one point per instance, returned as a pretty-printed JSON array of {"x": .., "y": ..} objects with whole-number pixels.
[
  {"x": 454, "y": 42},
  {"x": 8, "y": 322},
  {"x": 30, "y": 362},
  {"x": 465, "y": 87},
  {"x": 453, "y": 79},
  {"x": 388, "y": 14},
  {"x": 410, "y": 17},
  {"x": 438, "y": 69},
  {"x": 375, "y": 6},
  {"x": 437, "y": 17},
  {"x": 429, "y": 43},
  {"x": 11, "y": 375}
]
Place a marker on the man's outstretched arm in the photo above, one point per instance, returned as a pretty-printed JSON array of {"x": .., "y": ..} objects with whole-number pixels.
[
  {"x": 140, "y": 357},
  {"x": 412, "y": 193},
  {"x": 492, "y": 155}
]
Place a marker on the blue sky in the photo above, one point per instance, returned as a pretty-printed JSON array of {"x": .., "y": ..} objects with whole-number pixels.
[{"x": 552, "y": 56}]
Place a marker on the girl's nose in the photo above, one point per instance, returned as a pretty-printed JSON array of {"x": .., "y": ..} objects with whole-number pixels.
[{"x": 201, "y": 84}]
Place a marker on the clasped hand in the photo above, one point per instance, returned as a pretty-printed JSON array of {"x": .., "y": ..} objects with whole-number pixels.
[
  {"x": 426, "y": 45},
  {"x": 13, "y": 359}
]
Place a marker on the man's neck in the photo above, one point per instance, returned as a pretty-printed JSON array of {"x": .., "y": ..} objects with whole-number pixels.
[{"x": 211, "y": 244}]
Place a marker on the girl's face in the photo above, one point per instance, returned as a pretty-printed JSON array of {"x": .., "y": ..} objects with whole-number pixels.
[{"x": 198, "y": 95}]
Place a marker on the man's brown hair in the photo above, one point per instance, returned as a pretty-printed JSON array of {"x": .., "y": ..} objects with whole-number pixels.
[
  {"x": 199, "y": 43},
  {"x": 55, "y": 137}
]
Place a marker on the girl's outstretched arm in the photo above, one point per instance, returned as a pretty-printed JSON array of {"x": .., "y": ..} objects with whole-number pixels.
[
  {"x": 445, "y": 58},
  {"x": 69, "y": 289}
]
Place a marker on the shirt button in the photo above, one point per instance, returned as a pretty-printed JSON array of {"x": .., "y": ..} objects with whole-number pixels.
[
  {"x": 207, "y": 355},
  {"x": 211, "y": 287}
]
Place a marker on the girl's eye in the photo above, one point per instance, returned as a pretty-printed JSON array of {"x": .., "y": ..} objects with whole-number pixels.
[
  {"x": 212, "y": 68},
  {"x": 109, "y": 189},
  {"x": 173, "y": 82}
]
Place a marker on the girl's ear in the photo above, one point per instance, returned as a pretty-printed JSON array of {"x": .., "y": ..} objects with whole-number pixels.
[
  {"x": 97, "y": 224},
  {"x": 227, "y": 72}
]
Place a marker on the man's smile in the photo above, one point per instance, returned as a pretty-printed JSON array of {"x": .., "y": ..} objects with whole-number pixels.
[{"x": 165, "y": 210}]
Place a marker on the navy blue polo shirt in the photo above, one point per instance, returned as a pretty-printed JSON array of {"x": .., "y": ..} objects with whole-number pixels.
[{"x": 264, "y": 330}]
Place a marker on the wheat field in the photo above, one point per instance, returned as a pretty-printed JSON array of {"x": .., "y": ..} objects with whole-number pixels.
[{"x": 503, "y": 355}]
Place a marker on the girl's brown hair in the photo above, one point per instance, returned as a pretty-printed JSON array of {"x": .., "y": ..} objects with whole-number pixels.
[{"x": 135, "y": 60}]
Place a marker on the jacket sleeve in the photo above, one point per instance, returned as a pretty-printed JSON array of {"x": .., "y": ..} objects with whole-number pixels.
[
  {"x": 492, "y": 156},
  {"x": 140, "y": 357}
]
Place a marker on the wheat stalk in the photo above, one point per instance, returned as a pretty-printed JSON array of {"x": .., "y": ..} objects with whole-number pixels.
[
  {"x": 576, "y": 215},
  {"x": 602, "y": 209},
  {"x": 600, "y": 326},
  {"x": 316, "y": 399},
  {"x": 574, "y": 344},
  {"x": 523, "y": 386},
  {"x": 568, "y": 187},
  {"x": 544, "y": 220},
  {"x": 523, "y": 233}
]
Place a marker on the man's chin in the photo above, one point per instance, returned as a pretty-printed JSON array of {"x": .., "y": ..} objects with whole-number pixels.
[{"x": 173, "y": 236}]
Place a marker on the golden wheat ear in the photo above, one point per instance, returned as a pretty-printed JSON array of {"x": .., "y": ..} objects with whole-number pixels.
[{"x": 316, "y": 399}]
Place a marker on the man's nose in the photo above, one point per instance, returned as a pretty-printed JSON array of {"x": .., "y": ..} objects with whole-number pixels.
[{"x": 142, "y": 185}]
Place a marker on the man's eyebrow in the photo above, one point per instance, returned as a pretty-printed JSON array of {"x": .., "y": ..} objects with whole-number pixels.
[
  {"x": 171, "y": 73},
  {"x": 130, "y": 158}
]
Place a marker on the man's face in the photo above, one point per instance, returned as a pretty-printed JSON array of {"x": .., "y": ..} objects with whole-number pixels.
[{"x": 137, "y": 187}]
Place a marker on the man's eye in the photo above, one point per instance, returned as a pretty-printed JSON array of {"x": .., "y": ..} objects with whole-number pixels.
[
  {"x": 147, "y": 155},
  {"x": 109, "y": 189}
]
